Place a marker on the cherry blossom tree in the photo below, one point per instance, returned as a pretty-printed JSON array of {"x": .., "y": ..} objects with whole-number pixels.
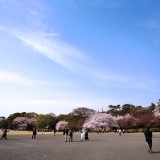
[
  {"x": 61, "y": 125},
  {"x": 127, "y": 121},
  {"x": 100, "y": 121},
  {"x": 156, "y": 111},
  {"x": 22, "y": 123},
  {"x": 146, "y": 120}
]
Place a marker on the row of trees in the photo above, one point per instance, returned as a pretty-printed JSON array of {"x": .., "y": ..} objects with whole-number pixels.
[
  {"x": 136, "y": 111},
  {"x": 125, "y": 116}
]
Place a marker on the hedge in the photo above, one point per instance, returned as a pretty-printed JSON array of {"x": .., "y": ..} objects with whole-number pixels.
[{"x": 142, "y": 130}]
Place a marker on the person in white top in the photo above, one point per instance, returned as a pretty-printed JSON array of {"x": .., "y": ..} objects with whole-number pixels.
[
  {"x": 82, "y": 134},
  {"x": 120, "y": 131}
]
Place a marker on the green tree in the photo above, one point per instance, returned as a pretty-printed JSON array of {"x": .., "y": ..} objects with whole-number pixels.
[
  {"x": 3, "y": 123},
  {"x": 74, "y": 121},
  {"x": 126, "y": 108},
  {"x": 44, "y": 120},
  {"x": 139, "y": 111},
  {"x": 83, "y": 112},
  {"x": 152, "y": 107},
  {"x": 31, "y": 115},
  {"x": 114, "y": 110},
  {"x": 61, "y": 117},
  {"x": 158, "y": 103}
]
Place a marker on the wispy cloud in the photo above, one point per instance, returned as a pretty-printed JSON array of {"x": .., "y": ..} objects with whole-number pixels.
[
  {"x": 71, "y": 58},
  {"x": 120, "y": 80},
  {"x": 16, "y": 78},
  {"x": 57, "y": 51},
  {"x": 49, "y": 45},
  {"x": 152, "y": 24}
]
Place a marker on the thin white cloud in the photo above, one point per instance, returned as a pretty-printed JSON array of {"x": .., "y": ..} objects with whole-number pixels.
[
  {"x": 57, "y": 51},
  {"x": 58, "y": 105},
  {"x": 49, "y": 34},
  {"x": 151, "y": 23},
  {"x": 108, "y": 78},
  {"x": 16, "y": 78},
  {"x": 61, "y": 53}
]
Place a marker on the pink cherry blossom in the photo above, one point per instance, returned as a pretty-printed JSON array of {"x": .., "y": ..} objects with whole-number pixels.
[
  {"x": 23, "y": 122},
  {"x": 156, "y": 111},
  {"x": 61, "y": 125},
  {"x": 99, "y": 121}
]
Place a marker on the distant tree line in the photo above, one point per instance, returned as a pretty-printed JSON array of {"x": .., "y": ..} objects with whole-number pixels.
[{"x": 125, "y": 116}]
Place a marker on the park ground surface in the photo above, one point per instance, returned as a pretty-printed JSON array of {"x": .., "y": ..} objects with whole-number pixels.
[{"x": 102, "y": 146}]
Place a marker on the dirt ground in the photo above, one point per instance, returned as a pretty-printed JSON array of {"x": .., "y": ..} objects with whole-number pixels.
[{"x": 102, "y": 146}]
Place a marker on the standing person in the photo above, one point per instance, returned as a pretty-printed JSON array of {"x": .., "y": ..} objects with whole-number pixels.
[
  {"x": 123, "y": 132},
  {"x": 34, "y": 133},
  {"x": 65, "y": 133},
  {"x": 86, "y": 134},
  {"x": 120, "y": 131},
  {"x": 54, "y": 131},
  {"x": 70, "y": 133},
  {"x": 4, "y": 134},
  {"x": 148, "y": 136},
  {"x": 82, "y": 134}
]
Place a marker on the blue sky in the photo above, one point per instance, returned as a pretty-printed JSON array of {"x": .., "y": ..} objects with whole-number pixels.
[{"x": 56, "y": 56}]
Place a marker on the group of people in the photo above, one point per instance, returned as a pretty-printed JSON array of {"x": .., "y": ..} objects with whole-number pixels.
[
  {"x": 120, "y": 131},
  {"x": 69, "y": 133},
  {"x": 84, "y": 134}
]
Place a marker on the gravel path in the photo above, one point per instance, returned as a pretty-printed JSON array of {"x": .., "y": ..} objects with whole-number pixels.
[{"x": 102, "y": 146}]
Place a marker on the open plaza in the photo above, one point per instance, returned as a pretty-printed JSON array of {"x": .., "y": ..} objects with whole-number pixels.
[{"x": 101, "y": 146}]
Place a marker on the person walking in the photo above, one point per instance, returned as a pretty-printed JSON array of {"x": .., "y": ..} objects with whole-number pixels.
[
  {"x": 4, "y": 134},
  {"x": 86, "y": 134},
  {"x": 65, "y": 133},
  {"x": 148, "y": 136},
  {"x": 34, "y": 133},
  {"x": 70, "y": 133}
]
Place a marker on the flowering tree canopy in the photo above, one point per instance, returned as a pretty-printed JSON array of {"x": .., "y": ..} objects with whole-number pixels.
[
  {"x": 99, "y": 121},
  {"x": 23, "y": 122},
  {"x": 156, "y": 111},
  {"x": 61, "y": 125},
  {"x": 126, "y": 121}
]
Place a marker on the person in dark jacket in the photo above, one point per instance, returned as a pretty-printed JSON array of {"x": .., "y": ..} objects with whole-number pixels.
[
  {"x": 70, "y": 133},
  {"x": 54, "y": 131},
  {"x": 65, "y": 133},
  {"x": 86, "y": 134},
  {"x": 34, "y": 133},
  {"x": 148, "y": 136},
  {"x": 4, "y": 135}
]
